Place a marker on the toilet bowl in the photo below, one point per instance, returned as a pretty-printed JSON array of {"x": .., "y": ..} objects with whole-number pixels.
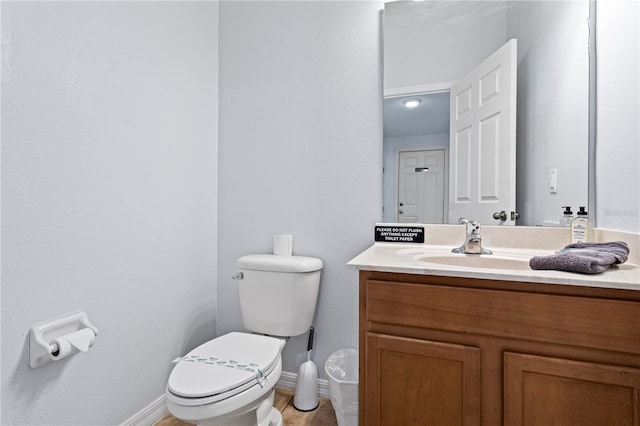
[
  {"x": 231, "y": 379},
  {"x": 228, "y": 381}
]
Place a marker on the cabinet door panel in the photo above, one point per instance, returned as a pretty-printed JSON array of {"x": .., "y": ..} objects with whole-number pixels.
[
  {"x": 417, "y": 382},
  {"x": 555, "y": 391}
]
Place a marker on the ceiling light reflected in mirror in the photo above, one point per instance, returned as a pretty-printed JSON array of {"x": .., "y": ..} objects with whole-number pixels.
[{"x": 411, "y": 102}]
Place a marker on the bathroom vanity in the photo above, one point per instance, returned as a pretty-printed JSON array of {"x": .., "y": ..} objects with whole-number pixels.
[{"x": 450, "y": 343}]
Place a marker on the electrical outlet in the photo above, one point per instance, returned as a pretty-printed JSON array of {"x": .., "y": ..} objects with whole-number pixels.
[{"x": 553, "y": 181}]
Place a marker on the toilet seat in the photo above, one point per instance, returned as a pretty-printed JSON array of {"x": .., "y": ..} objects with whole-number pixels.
[{"x": 224, "y": 367}]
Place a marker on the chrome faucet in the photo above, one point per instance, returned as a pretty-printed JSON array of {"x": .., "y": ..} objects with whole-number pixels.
[{"x": 473, "y": 241}]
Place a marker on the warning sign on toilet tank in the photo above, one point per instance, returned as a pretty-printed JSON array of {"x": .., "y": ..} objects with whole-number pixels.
[{"x": 399, "y": 234}]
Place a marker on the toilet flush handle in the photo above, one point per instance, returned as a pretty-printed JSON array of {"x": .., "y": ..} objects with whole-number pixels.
[{"x": 238, "y": 276}]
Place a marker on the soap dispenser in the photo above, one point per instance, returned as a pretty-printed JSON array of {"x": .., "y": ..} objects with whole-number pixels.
[
  {"x": 567, "y": 217},
  {"x": 581, "y": 228}
]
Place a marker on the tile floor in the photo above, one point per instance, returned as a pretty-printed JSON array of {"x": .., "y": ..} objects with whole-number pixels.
[{"x": 321, "y": 416}]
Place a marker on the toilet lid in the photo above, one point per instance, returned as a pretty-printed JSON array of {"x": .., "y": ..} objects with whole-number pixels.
[{"x": 223, "y": 364}]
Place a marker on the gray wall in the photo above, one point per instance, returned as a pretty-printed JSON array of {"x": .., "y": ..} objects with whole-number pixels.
[
  {"x": 109, "y": 113},
  {"x": 300, "y": 149}
]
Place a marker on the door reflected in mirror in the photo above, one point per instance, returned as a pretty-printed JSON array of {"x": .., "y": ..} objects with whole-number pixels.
[{"x": 429, "y": 46}]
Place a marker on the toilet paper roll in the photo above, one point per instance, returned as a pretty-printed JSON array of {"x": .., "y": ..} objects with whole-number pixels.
[
  {"x": 72, "y": 343},
  {"x": 282, "y": 245}
]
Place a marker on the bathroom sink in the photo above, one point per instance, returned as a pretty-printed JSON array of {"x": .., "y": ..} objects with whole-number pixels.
[{"x": 477, "y": 261}]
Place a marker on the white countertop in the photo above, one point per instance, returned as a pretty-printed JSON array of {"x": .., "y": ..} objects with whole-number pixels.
[{"x": 406, "y": 258}]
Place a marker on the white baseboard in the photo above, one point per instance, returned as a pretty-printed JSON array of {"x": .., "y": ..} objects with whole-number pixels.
[
  {"x": 288, "y": 381},
  {"x": 149, "y": 414},
  {"x": 158, "y": 408}
]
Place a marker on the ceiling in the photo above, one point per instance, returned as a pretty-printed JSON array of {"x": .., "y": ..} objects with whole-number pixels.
[{"x": 430, "y": 117}]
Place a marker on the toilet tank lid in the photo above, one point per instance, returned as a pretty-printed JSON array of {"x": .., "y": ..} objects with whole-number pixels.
[{"x": 274, "y": 263}]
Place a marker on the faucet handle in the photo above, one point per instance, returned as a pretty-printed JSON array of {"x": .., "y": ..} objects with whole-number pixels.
[
  {"x": 463, "y": 221},
  {"x": 473, "y": 228}
]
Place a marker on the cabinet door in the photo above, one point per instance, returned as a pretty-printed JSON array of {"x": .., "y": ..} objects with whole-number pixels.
[
  {"x": 418, "y": 382},
  {"x": 555, "y": 391}
]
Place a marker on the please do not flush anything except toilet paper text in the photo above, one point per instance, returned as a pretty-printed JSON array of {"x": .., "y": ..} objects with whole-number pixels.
[{"x": 399, "y": 234}]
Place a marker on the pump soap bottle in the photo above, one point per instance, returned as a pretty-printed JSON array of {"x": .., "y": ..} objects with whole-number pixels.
[
  {"x": 567, "y": 217},
  {"x": 581, "y": 228}
]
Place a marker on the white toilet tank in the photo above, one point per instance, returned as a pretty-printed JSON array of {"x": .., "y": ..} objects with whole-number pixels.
[{"x": 278, "y": 294}]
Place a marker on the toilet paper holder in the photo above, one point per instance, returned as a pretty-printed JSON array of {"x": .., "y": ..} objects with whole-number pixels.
[{"x": 42, "y": 334}]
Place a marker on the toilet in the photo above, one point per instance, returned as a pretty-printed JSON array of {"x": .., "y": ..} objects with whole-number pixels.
[{"x": 231, "y": 379}]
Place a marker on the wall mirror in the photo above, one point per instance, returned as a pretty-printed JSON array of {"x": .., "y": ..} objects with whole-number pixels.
[{"x": 429, "y": 47}]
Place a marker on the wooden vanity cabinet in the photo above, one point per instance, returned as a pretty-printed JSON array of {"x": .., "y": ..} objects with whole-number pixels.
[{"x": 458, "y": 351}]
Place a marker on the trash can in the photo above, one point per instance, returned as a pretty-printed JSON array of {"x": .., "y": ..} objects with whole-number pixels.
[{"x": 342, "y": 372}]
